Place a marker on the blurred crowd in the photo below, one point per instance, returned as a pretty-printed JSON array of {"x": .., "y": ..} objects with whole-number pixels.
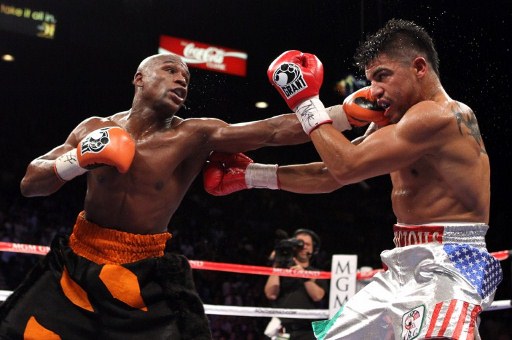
[{"x": 240, "y": 228}]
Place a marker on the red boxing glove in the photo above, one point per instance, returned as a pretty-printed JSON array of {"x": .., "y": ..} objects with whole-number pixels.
[
  {"x": 296, "y": 76},
  {"x": 227, "y": 173},
  {"x": 362, "y": 109},
  {"x": 105, "y": 146}
]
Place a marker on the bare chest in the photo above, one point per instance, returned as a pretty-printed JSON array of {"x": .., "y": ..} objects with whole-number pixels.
[
  {"x": 416, "y": 184},
  {"x": 160, "y": 165},
  {"x": 162, "y": 160}
]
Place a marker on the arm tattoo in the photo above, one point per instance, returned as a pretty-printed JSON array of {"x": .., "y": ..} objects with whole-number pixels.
[{"x": 469, "y": 120}]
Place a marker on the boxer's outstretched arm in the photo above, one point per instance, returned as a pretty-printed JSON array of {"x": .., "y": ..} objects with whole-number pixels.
[
  {"x": 312, "y": 178},
  {"x": 226, "y": 173},
  {"x": 278, "y": 130}
]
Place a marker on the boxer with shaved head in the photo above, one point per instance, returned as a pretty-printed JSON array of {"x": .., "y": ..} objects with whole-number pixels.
[{"x": 114, "y": 277}]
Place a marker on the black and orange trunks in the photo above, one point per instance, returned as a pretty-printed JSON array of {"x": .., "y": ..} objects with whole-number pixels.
[{"x": 102, "y": 283}]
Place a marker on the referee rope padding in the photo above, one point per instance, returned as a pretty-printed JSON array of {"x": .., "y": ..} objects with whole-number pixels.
[{"x": 258, "y": 270}]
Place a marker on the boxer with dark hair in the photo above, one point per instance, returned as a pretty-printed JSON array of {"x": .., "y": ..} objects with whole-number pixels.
[{"x": 440, "y": 274}]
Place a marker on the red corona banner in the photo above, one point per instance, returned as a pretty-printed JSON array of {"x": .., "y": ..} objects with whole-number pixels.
[{"x": 205, "y": 56}]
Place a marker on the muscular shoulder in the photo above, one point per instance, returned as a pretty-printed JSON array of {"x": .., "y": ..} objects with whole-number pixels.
[
  {"x": 433, "y": 126},
  {"x": 428, "y": 120},
  {"x": 90, "y": 124},
  {"x": 95, "y": 122},
  {"x": 206, "y": 126}
]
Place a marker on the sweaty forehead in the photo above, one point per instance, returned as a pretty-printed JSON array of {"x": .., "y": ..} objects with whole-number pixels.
[
  {"x": 164, "y": 59},
  {"x": 371, "y": 68},
  {"x": 173, "y": 60},
  {"x": 379, "y": 63}
]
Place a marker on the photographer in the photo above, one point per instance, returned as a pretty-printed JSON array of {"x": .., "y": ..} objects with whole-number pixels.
[{"x": 296, "y": 293}]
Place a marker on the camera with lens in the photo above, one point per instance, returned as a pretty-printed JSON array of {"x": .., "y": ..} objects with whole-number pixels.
[{"x": 285, "y": 251}]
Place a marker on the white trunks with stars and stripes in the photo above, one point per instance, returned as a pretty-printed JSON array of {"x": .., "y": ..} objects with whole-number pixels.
[{"x": 438, "y": 279}]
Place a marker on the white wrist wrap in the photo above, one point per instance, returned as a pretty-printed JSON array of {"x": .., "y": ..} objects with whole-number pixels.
[
  {"x": 261, "y": 176},
  {"x": 66, "y": 166},
  {"x": 311, "y": 114},
  {"x": 339, "y": 118}
]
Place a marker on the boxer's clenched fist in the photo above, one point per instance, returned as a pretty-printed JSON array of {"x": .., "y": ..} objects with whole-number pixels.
[
  {"x": 105, "y": 146},
  {"x": 226, "y": 173},
  {"x": 362, "y": 109},
  {"x": 298, "y": 76}
]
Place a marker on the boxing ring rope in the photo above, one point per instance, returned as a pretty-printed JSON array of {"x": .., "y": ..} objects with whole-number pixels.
[{"x": 257, "y": 270}]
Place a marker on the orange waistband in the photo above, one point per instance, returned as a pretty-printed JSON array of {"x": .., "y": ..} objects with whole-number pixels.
[{"x": 103, "y": 245}]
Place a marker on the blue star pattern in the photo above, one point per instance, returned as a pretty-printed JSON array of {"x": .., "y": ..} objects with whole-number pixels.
[{"x": 479, "y": 267}]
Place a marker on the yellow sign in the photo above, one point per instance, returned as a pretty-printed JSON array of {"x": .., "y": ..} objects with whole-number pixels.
[{"x": 27, "y": 20}]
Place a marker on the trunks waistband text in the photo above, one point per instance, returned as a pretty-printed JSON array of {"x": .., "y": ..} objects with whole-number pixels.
[{"x": 406, "y": 236}]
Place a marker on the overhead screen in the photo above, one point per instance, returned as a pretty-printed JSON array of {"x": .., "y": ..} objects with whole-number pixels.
[{"x": 32, "y": 20}]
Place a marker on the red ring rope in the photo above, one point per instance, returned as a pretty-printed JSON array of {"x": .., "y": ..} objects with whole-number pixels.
[{"x": 230, "y": 267}]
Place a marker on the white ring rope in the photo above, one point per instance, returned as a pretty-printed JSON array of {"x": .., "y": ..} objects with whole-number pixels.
[
  {"x": 267, "y": 312},
  {"x": 282, "y": 312}
]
